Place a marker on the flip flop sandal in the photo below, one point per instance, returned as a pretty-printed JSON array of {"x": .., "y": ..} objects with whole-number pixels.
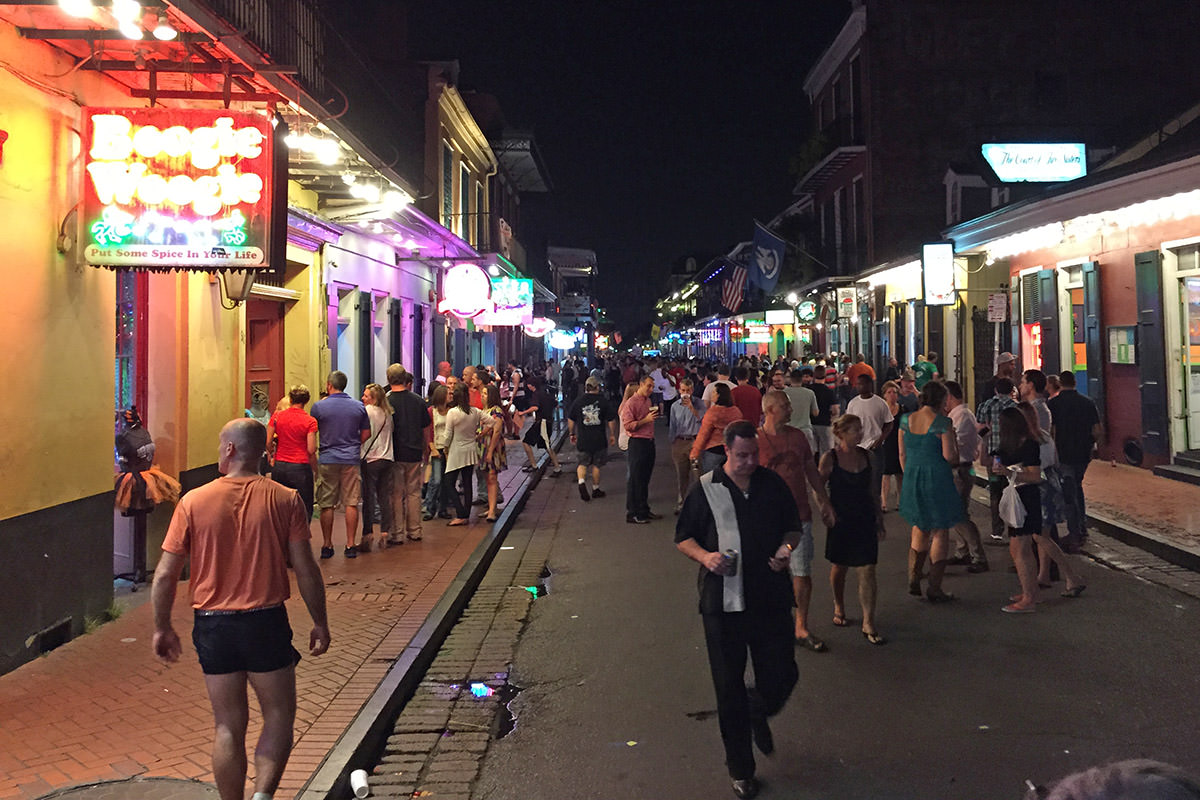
[
  {"x": 841, "y": 621},
  {"x": 811, "y": 642},
  {"x": 1075, "y": 592},
  {"x": 874, "y": 638}
]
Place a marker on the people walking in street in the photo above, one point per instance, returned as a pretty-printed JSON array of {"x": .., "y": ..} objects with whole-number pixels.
[
  {"x": 929, "y": 501},
  {"x": 592, "y": 426},
  {"x": 709, "y": 447},
  {"x": 968, "y": 547},
  {"x": 877, "y": 423},
  {"x": 1050, "y": 495},
  {"x": 377, "y": 464},
  {"x": 439, "y": 404},
  {"x": 343, "y": 426},
  {"x": 859, "y": 367},
  {"x": 925, "y": 370},
  {"x": 1077, "y": 431},
  {"x": 493, "y": 458},
  {"x": 709, "y": 395},
  {"x": 827, "y": 409},
  {"x": 989, "y": 422},
  {"x": 466, "y": 426},
  {"x": 741, "y": 525},
  {"x": 411, "y": 427},
  {"x": 1019, "y": 449},
  {"x": 785, "y": 451},
  {"x": 853, "y": 540},
  {"x": 891, "y": 448},
  {"x": 540, "y": 406},
  {"x": 293, "y": 433},
  {"x": 684, "y": 426},
  {"x": 801, "y": 393},
  {"x": 637, "y": 420},
  {"x": 240, "y": 533},
  {"x": 746, "y": 397}
]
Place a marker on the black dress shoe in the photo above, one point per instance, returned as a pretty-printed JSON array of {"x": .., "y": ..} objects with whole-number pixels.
[
  {"x": 652, "y": 515},
  {"x": 760, "y": 729},
  {"x": 746, "y": 789}
]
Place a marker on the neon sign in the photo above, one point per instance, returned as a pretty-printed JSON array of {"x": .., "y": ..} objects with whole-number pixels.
[
  {"x": 177, "y": 188},
  {"x": 937, "y": 268},
  {"x": 466, "y": 291},
  {"x": 807, "y": 311},
  {"x": 513, "y": 298},
  {"x": 565, "y": 340},
  {"x": 1042, "y": 161},
  {"x": 539, "y": 327}
]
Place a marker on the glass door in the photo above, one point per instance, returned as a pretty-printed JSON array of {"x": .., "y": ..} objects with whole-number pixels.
[{"x": 1191, "y": 358}]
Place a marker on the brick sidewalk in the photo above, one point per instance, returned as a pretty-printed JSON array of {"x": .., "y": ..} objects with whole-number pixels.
[
  {"x": 1137, "y": 499},
  {"x": 103, "y": 708}
]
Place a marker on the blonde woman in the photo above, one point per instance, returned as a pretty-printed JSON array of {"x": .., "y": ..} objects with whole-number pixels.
[
  {"x": 377, "y": 468},
  {"x": 463, "y": 425}
]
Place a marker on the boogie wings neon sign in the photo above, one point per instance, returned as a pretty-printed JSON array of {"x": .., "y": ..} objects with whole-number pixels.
[{"x": 177, "y": 188}]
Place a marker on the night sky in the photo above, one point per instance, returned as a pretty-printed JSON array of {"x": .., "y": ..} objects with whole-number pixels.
[{"x": 666, "y": 127}]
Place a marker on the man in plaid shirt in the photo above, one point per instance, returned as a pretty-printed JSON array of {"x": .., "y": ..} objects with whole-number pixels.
[{"x": 989, "y": 429}]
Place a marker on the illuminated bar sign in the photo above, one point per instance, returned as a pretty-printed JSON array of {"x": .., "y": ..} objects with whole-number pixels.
[
  {"x": 807, "y": 311},
  {"x": 708, "y": 335},
  {"x": 757, "y": 332},
  {"x": 513, "y": 298},
  {"x": 1037, "y": 162},
  {"x": 176, "y": 188},
  {"x": 937, "y": 267},
  {"x": 466, "y": 291}
]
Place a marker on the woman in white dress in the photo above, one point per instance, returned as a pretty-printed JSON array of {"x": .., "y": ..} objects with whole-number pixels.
[{"x": 465, "y": 426}]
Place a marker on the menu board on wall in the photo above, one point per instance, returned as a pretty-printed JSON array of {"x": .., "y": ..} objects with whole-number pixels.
[{"x": 1122, "y": 344}]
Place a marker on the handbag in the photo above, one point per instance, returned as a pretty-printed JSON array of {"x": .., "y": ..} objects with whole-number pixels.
[{"x": 1012, "y": 510}]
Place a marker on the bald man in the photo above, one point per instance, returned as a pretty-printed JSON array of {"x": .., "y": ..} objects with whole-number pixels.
[{"x": 240, "y": 532}]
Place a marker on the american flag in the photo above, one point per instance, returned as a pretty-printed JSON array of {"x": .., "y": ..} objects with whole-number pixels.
[{"x": 731, "y": 289}]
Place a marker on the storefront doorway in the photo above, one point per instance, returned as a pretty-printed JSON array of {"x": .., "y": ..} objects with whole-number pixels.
[
  {"x": 264, "y": 356},
  {"x": 1189, "y": 291}
]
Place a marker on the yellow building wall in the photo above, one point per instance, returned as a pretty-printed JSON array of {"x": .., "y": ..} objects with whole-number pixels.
[{"x": 58, "y": 325}]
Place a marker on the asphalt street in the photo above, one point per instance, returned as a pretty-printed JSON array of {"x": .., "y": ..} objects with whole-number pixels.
[{"x": 963, "y": 703}]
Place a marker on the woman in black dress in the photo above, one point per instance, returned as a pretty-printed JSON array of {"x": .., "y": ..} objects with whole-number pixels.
[
  {"x": 853, "y": 540},
  {"x": 892, "y": 470},
  {"x": 1019, "y": 456}
]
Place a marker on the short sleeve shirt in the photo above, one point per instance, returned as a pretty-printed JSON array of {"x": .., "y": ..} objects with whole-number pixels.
[
  {"x": 236, "y": 532},
  {"x": 803, "y": 400},
  {"x": 826, "y": 400},
  {"x": 410, "y": 418},
  {"x": 1074, "y": 415},
  {"x": 786, "y": 453},
  {"x": 764, "y": 518},
  {"x": 340, "y": 419},
  {"x": 591, "y": 414},
  {"x": 749, "y": 401},
  {"x": 292, "y": 426},
  {"x": 874, "y": 413}
]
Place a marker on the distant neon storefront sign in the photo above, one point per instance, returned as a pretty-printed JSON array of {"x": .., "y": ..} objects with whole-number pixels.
[
  {"x": 513, "y": 302},
  {"x": 176, "y": 188},
  {"x": 1015, "y": 162}
]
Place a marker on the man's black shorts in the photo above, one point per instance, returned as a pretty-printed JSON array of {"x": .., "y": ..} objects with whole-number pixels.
[{"x": 244, "y": 641}]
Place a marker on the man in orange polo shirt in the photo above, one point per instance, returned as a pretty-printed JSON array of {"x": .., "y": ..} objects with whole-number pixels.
[
  {"x": 240, "y": 532},
  {"x": 859, "y": 367}
]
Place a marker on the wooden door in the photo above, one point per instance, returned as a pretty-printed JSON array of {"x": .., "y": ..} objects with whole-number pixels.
[{"x": 264, "y": 354}]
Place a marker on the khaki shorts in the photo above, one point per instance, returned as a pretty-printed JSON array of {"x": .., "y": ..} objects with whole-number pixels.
[{"x": 338, "y": 484}]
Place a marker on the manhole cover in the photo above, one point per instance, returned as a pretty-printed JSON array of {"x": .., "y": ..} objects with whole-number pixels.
[{"x": 138, "y": 789}]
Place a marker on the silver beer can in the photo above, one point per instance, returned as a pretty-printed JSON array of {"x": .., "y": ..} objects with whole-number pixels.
[{"x": 731, "y": 562}]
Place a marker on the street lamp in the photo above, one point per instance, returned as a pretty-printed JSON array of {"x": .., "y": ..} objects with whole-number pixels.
[
  {"x": 793, "y": 300},
  {"x": 236, "y": 286}
]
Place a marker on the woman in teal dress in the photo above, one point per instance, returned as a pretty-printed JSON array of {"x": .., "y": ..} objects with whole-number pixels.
[{"x": 928, "y": 499}]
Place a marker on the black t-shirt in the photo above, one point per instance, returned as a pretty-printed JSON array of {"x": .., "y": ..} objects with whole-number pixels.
[
  {"x": 826, "y": 400},
  {"x": 908, "y": 402},
  {"x": 764, "y": 518},
  {"x": 410, "y": 418},
  {"x": 545, "y": 404},
  {"x": 1029, "y": 454},
  {"x": 591, "y": 414},
  {"x": 1073, "y": 415}
]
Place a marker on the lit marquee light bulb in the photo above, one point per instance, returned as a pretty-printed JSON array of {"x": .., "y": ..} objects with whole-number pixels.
[
  {"x": 77, "y": 8},
  {"x": 126, "y": 10},
  {"x": 130, "y": 31}
]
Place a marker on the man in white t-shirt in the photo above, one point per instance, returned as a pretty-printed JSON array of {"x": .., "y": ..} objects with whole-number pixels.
[
  {"x": 877, "y": 423},
  {"x": 710, "y": 391},
  {"x": 664, "y": 386}
]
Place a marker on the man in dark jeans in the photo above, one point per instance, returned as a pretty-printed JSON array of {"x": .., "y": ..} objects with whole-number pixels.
[
  {"x": 1076, "y": 430},
  {"x": 637, "y": 418}
]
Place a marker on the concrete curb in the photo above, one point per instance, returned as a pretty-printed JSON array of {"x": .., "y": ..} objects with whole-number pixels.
[{"x": 361, "y": 744}]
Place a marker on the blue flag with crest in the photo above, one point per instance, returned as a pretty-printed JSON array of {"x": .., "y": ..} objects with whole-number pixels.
[{"x": 766, "y": 259}]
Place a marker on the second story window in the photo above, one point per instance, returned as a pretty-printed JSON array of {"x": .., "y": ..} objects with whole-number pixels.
[
  {"x": 464, "y": 203},
  {"x": 447, "y": 185}
]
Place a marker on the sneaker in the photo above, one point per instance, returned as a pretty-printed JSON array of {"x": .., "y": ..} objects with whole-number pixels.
[
  {"x": 557, "y": 473},
  {"x": 527, "y": 468},
  {"x": 583, "y": 493},
  {"x": 637, "y": 520},
  {"x": 598, "y": 493},
  {"x": 976, "y": 567},
  {"x": 652, "y": 515},
  {"x": 996, "y": 541},
  {"x": 414, "y": 537},
  {"x": 350, "y": 552},
  {"x": 326, "y": 552},
  {"x": 393, "y": 540},
  {"x": 426, "y": 516}
]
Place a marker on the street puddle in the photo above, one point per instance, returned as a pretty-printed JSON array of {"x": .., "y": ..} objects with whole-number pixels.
[{"x": 506, "y": 721}]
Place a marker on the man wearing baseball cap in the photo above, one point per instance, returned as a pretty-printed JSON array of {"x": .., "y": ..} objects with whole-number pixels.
[
  {"x": 1006, "y": 367},
  {"x": 593, "y": 427}
]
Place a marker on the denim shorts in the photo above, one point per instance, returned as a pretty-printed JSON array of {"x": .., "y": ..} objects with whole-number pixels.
[
  {"x": 259, "y": 640},
  {"x": 801, "y": 561}
]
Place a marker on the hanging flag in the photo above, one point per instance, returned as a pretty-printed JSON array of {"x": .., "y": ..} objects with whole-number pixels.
[
  {"x": 732, "y": 288},
  {"x": 766, "y": 259}
]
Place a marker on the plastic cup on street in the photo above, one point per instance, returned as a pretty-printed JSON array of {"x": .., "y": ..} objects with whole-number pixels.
[{"x": 358, "y": 782}]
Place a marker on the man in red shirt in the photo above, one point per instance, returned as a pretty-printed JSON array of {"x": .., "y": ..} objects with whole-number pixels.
[
  {"x": 747, "y": 399},
  {"x": 785, "y": 450},
  {"x": 637, "y": 418},
  {"x": 474, "y": 387},
  {"x": 240, "y": 532}
]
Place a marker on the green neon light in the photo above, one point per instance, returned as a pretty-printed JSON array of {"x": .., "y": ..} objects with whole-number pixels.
[{"x": 113, "y": 227}]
